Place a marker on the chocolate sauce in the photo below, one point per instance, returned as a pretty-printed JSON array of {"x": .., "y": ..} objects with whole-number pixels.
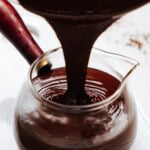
[{"x": 99, "y": 80}]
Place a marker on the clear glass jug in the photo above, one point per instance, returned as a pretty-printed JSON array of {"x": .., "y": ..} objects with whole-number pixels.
[{"x": 108, "y": 123}]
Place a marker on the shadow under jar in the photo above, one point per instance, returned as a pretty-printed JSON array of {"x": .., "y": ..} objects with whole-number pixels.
[{"x": 44, "y": 122}]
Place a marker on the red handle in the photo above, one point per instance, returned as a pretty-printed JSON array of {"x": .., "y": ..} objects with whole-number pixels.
[{"x": 13, "y": 27}]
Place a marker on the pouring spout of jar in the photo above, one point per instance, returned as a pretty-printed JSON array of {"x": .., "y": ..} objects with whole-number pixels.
[
  {"x": 15, "y": 30},
  {"x": 118, "y": 66},
  {"x": 128, "y": 67}
]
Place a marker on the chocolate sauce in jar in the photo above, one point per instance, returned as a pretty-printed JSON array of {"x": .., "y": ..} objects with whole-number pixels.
[{"x": 48, "y": 128}]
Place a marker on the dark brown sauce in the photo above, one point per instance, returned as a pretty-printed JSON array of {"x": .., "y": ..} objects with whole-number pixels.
[{"x": 97, "y": 86}]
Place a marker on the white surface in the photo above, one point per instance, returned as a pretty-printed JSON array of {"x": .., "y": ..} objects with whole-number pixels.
[{"x": 14, "y": 69}]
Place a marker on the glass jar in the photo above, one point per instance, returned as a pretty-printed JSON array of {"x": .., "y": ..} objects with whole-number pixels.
[{"x": 109, "y": 124}]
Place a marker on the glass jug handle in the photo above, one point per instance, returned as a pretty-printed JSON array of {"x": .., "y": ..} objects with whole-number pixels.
[{"x": 15, "y": 30}]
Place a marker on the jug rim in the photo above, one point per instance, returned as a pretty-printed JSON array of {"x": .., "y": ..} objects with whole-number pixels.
[{"x": 76, "y": 108}]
